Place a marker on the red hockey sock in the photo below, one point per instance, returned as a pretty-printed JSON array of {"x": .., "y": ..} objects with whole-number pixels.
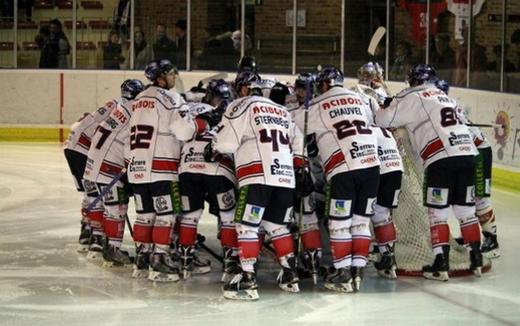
[
  {"x": 340, "y": 249},
  {"x": 440, "y": 234},
  {"x": 283, "y": 245},
  {"x": 385, "y": 234},
  {"x": 96, "y": 220},
  {"x": 142, "y": 233},
  {"x": 248, "y": 249},
  {"x": 187, "y": 235},
  {"x": 470, "y": 232},
  {"x": 161, "y": 235},
  {"x": 311, "y": 240},
  {"x": 114, "y": 229},
  {"x": 360, "y": 246},
  {"x": 228, "y": 237}
]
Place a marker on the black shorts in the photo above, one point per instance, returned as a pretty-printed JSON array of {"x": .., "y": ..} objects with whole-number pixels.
[
  {"x": 77, "y": 163},
  {"x": 352, "y": 192},
  {"x": 483, "y": 166},
  {"x": 196, "y": 187},
  {"x": 450, "y": 181},
  {"x": 389, "y": 189},
  {"x": 119, "y": 194},
  {"x": 258, "y": 202},
  {"x": 161, "y": 197}
]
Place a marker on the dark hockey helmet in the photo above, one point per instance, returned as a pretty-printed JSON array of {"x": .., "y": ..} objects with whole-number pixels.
[
  {"x": 279, "y": 93},
  {"x": 157, "y": 68},
  {"x": 247, "y": 63},
  {"x": 218, "y": 88},
  {"x": 130, "y": 88},
  {"x": 247, "y": 78},
  {"x": 302, "y": 79},
  {"x": 420, "y": 74},
  {"x": 442, "y": 85},
  {"x": 367, "y": 73},
  {"x": 331, "y": 76}
]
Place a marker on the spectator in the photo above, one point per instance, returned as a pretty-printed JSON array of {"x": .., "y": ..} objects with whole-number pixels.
[
  {"x": 443, "y": 56},
  {"x": 402, "y": 62},
  {"x": 478, "y": 62},
  {"x": 49, "y": 49},
  {"x": 122, "y": 17},
  {"x": 164, "y": 47},
  {"x": 142, "y": 51},
  {"x": 57, "y": 35},
  {"x": 495, "y": 66},
  {"x": 112, "y": 57},
  {"x": 180, "y": 35}
]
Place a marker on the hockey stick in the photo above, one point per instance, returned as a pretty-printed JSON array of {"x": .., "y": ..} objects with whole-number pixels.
[
  {"x": 130, "y": 229},
  {"x": 483, "y": 125},
  {"x": 200, "y": 242},
  {"x": 376, "y": 38},
  {"x": 106, "y": 190}
]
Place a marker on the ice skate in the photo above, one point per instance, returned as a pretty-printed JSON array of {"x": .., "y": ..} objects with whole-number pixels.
[
  {"x": 200, "y": 265},
  {"x": 288, "y": 277},
  {"x": 141, "y": 264},
  {"x": 163, "y": 268},
  {"x": 475, "y": 256},
  {"x": 230, "y": 266},
  {"x": 95, "y": 246},
  {"x": 438, "y": 271},
  {"x": 242, "y": 287},
  {"x": 339, "y": 280},
  {"x": 84, "y": 238},
  {"x": 115, "y": 257},
  {"x": 357, "y": 277},
  {"x": 311, "y": 261},
  {"x": 490, "y": 248},
  {"x": 386, "y": 266}
]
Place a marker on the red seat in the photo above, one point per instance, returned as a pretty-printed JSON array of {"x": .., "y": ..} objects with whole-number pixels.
[
  {"x": 65, "y": 4},
  {"x": 42, "y": 4},
  {"x": 79, "y": 24},
  {"x": 92, "y": 5},
  {"x": 86, "y": 46},
  {"x": 6, "y": 46},
  {"x": 30, "y": 46},
  {"x": 27, "y": 25},
  {"x": 99, "y": 24}
]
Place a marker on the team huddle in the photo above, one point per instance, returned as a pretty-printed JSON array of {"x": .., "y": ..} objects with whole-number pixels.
[{"x": 273, "y": 161}]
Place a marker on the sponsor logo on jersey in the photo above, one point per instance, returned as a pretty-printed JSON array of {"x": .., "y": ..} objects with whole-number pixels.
[
  {"x": 120, "y": 116},
  {"x": 269, "y": 109},
  {"x": 363, "y": 151},
  {"x": 143, "y": 104},
  {"x": 340, "y": 207},
  {"x": 137, "y": 166},
  {"x": 460, "y": 139},
  {"x": 281, "y": 169},
  {"x": 341, "y": 102},
  {"x": 371, "y": 206},
  {"x": 255, "y": 212},
  {"x": 162, "y": 203},
  {"x": 470, "y": 194}
]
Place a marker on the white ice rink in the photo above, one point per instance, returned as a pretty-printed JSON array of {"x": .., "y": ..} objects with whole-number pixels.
[{"x": 43, "y": 281}]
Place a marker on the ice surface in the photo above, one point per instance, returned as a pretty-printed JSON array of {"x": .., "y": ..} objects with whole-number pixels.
[{"x": 44, "y": 281}]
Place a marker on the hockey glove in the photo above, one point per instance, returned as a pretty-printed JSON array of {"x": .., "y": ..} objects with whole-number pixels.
[
  {"x": 312, "y": 147},
  {"x": 387, "y": 102},
  {"x": 210, "y": 155},
  {"x": 304, "y": 184},
  {"x": 212, "y": 118}
]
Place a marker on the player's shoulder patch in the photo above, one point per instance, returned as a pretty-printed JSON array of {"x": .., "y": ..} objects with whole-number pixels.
[{"x": 236, "y": 108}]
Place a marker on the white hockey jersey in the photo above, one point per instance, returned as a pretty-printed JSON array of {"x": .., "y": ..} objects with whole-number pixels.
[
  {"x": 81, "y": 132},
  {"x": 479, "y": 139},
  {"x": 345, "y": 141},
  {"x": 106, "y": 156},
  {"x": 192, "y": 153},
  {"x": 367, "y": 94},
  {"x": 430, "y": 118},
  {"x": 387, "y": 151},
  {"x": 159, "y": 121},
  {"x": 264, "y": 140}
]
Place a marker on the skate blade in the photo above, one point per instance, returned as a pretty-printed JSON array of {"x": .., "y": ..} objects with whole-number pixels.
[
  {"x": 155, "y": 276},
  {"x": 290, "y": 287},
  {"x": 343, "y": 287},
  {"x": 356, "y": 284},
  {"x": 477, "y": 271},
  {"x": 94, "y": 255},
  {"x": 437, "y": 276},
  {"x": 113, "y": 264},
  {"x": 244, "y": 295},
  {"x": 315, "y": 278},
  {"x": 140, "y": 273},
  {"x": 200, "y": 270},
  {"x": 186, "y": 274},
  {"x": 492, "y": 254},
  {"x": 388, "y": 273}
]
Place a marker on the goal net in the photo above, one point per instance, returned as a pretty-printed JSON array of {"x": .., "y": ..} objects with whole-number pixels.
[{"x": 413, "y": 247}]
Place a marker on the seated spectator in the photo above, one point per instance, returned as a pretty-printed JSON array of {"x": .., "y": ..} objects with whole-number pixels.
[
  {"x": 142, "y": 51},
  {"x": 164, "y": 47},
  {"x": 112, "y": 57}
]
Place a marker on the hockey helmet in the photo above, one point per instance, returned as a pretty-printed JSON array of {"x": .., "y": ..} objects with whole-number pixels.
[
  {"x": 279, "y": 93},
  {"x": 331, "y": 76},
  {"x": 247, "y": 63},
  {"x": 157, "y": 68},
  {"x": 421, "y": 73},
  {"x": 302, "y": 79},
  {"x": 218, "y": 88},
  {"x": 250, "y": 79},
  {"x": 442, "y": 85},
  {"x": 367, "y": 73},
  {"x": 130, "y": 88}
]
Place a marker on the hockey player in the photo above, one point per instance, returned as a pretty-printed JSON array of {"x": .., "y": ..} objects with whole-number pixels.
[
  {"x": 348, "y": 149},
  {"x": 264, "y": 141},
  {"x": 198, "y": 180},
  {"x": 371, "y": 82},
  {"x": 105, "y": 161},
  {"x": 309, "y": 230},
  {"x": 483, "y": 168},
  {"x": 159, "y": 121},
  {"x": 391, "y": 172},
  {"x": 446, "y": 148},
  {"x": 76, "y": 150}
]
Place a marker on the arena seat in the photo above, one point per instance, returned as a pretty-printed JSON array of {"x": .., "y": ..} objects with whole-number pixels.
[
  {"x": 79, "y": 24},
  {"x": 99, "y": 24},
  {"x": 92, "y": 5},
  {"x": 27, "y": 25},
  {"x": 64, "y": 4},
  {"x": 86, "y": 46},
  {"x": 42, "y": 4},
  {"x": 6, "y": 46},
  {"x": 30, "y": 46}
]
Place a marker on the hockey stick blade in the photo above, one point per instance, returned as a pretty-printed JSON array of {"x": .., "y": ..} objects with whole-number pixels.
[
  {"x": 376, "y": 38},
  {"x": 483, "y": 125},
  {"x": 106, "y": 190}
]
